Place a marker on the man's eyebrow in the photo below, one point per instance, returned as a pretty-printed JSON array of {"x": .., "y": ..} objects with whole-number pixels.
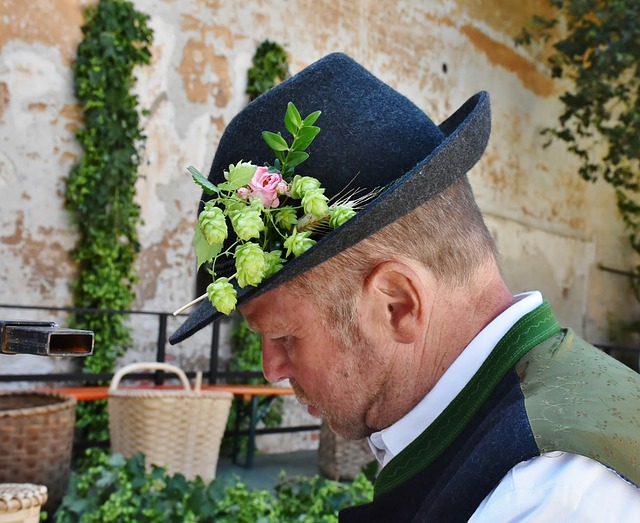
[
  {"x": 253, "y": 321},
  {"x": 252, "y": 328},
  {"x": 257, "y": 323},
  {"x": 248, "y": 321}
]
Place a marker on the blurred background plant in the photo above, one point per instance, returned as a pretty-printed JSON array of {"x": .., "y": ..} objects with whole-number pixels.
[
  {"x": 113, "y": 488},
  {"x": 270, "y": 67}
]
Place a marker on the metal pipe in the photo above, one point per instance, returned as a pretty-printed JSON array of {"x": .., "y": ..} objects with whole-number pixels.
[{"x": 44, "y": 339}]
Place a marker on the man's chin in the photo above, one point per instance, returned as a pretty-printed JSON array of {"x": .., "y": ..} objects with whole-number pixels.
[{"x": 347, "y": 431}]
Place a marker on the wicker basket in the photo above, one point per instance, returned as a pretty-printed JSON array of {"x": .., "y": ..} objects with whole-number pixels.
[
  {"x": 340, "y": 458},
  {"x": 36, "y": 440},
  {"x": 21, "y": 502},
  {"x": 180, "y": 430}
]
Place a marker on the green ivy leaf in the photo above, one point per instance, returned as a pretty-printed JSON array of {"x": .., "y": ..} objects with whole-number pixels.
[
  {"x": 275, "y": 141},
  {"x": 200, "y": 180}
]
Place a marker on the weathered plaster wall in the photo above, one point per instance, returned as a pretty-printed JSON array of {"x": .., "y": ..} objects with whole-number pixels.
[{"x": 553, "y": 228}]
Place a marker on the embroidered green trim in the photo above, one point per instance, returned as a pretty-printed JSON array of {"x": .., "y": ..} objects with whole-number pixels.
[{"x": 525, "y": 334}]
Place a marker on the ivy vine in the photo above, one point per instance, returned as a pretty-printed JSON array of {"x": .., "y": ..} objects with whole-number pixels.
[
  {"x": 270, "y": 67},
  {"x": 596, "y": 45},
  {"x": 100, "y": 188}
]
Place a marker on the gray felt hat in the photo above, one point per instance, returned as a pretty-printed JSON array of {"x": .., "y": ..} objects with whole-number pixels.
[{"x": 372, "y": 137}]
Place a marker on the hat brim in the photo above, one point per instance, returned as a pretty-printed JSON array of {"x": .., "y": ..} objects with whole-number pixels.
[{"x": 466, "y": 136}]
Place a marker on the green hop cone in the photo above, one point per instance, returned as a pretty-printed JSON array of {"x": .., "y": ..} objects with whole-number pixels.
[
  {"x": 340, "y": 214},
  {"x": 247, "y": 223},
  {"x": 303, "y": 184},
  {"x": 222, "y": 295},
  {"x": 285, "y": 217},
  {"x": 274, "y": 262},
  {"x": 298, "y": 242},
  {"x": 257, "y": 205},
  {"x": 233, "y": 204},
  {"x": 315, "y": 202},
  {"x": 213, "y": 225},
  {"x": 250, "y": 264}
]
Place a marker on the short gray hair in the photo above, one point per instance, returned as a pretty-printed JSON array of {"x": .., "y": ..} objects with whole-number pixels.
[{"x": 447, "y": 234}]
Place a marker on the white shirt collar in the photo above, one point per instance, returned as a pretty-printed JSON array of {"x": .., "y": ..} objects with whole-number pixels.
[{"x": 389, "y": 442}]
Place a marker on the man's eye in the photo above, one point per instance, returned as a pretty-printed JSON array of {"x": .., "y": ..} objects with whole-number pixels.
[
  {"x": 286, "y": 341},
  {"x": 277, "y": 339}
]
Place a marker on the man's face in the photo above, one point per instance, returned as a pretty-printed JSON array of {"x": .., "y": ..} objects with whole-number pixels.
[{"x": 339, "y": 381}]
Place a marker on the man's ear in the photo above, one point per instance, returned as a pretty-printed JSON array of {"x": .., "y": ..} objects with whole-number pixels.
[{"x": 394, "y": 299}]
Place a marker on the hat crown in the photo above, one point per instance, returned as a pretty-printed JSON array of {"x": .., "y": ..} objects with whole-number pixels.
[
  {"x": 370, "y": 134},
  {"x": 372, "y": 138}
]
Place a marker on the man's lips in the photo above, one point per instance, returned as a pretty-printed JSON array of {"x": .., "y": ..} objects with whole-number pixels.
[{"x": 311, "y": 409}]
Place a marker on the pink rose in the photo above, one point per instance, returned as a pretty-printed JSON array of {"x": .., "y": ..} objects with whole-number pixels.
[
  {"x": 264, "y": 185},
  {"x": 244, "y": 193},
  {"x": 283, "y": 189}
]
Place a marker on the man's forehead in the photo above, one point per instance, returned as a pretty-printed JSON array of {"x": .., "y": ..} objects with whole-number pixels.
[
  {"x": 250, "y": 311},
  {"x": 262, "y": 309},
  {"x": 274, "y": 307}
]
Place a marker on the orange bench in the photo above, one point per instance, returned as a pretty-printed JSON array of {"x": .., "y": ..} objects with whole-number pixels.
[{"x": 246, "y": 392}]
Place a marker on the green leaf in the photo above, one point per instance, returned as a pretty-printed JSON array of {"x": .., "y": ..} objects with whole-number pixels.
[
  {"x": 311, "y": 119},
  {"x": 200, "y": 180},
  {"x": 280, "y": 155},
  {"x": 275, "y": 141},
  {"x": 295, "y": 158},
  {"x": 238, "y": 176},
  {"x": 204, "y": 251},
  {"x": 292, "y": 119},
  {"x": 305, "y": 136},
  {"x": 77, "y": 506},
  {"x": 117, "y": 460}
]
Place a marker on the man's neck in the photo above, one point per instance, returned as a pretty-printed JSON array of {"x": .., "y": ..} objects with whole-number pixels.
[
  {"x": 460, "y": 313},
  {"x": 392, "y": 440},
  {"x": 457, "y": 315}
]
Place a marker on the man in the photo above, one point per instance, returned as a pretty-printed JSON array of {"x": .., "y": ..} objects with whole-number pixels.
[{"x": 398, "y": 326}]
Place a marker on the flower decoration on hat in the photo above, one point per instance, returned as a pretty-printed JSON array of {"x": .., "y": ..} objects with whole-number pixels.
[{"x": 274, "y": 213}]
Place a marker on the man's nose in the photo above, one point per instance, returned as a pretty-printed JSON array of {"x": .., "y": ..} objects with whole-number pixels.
[{"x": 275, "y": 363}]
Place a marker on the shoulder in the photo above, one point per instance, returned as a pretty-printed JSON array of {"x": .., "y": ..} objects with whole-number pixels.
[
  {"x": 560, "y": 487},
  {"x": 582, "y": 401}
]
